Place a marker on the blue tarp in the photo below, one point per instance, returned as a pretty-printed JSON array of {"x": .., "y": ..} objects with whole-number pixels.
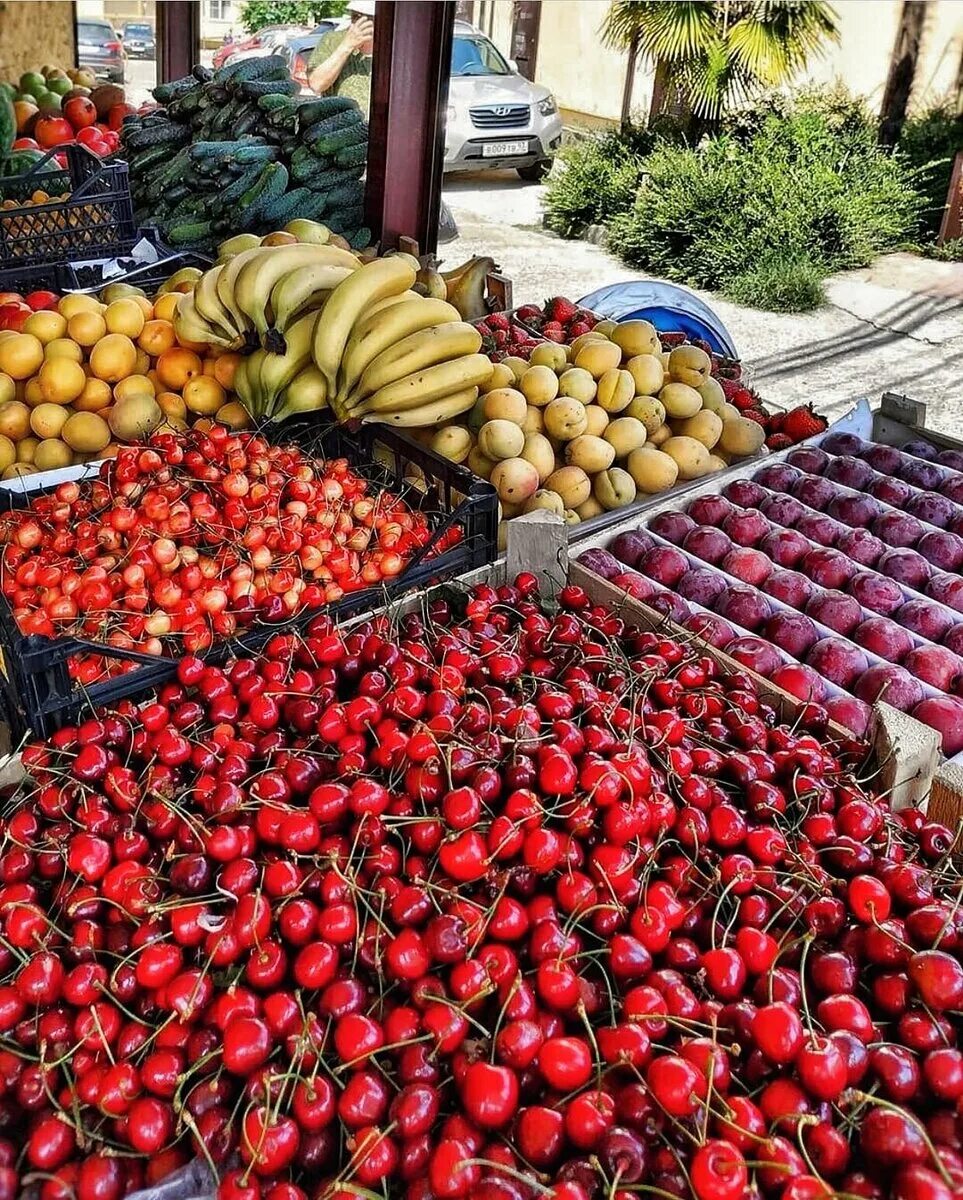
[{"x": 669, "y": 307}]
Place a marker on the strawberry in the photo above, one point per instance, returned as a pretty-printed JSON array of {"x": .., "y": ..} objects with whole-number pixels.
[
  {"x": 776, "y": 422},
  {"x": 669, "y": 340},
  {"x": 500, "y": 337},
  {"x": 742, "y": 398},
  {"x": 702, "y": 344},
  {"x": 561, "y": 310},
  {"x": 499, "y": 320},
  {"x": 483, "y": 328},
  {"x": 779, "y": 441},
  {"x": 529, "y": 313},
  {"x": 803, "y": 422},
  {"x": 551, "y": 327},
  {"x": 577, "y": 328},
  {"x": 729, "y": 387},
  {"x": 757, "y": 415}
]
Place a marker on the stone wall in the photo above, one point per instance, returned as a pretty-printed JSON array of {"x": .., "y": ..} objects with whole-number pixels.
[{"x": 36, "y": 32}]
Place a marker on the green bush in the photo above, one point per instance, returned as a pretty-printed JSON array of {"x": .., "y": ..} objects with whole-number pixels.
[
  {"x": 929, "y": 142},
  {"x": 598, "y": 177},
  {"x": 951, "y": 251},
  {"x": 809, "y": 184},
  {"x": 779, "y": 283}
]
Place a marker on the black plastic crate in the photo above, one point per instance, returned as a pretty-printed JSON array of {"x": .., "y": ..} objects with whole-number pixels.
[
  {"x": 96, "y": 220},
  {"x": 37, "y": 691}
]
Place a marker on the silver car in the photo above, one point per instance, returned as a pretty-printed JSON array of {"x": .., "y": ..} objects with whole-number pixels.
[{"x": 496, "y": 118}]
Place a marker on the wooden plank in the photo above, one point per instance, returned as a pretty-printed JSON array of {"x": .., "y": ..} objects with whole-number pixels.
[
  {"x": 538, "y": 542},
  {"x": 409, "y": 97},
  {"x": 499, "y": 289},
  {"x": 951, "y": 227},
  {"x": 946, "y": 800},
  {"x": 178, "y": 38}
]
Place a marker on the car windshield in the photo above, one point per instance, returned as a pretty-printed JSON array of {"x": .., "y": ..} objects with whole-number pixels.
[
  {"x": 137, "y": 31},
  {"x": 89, "y": 32},
  {"x": 476, "y": 56}
]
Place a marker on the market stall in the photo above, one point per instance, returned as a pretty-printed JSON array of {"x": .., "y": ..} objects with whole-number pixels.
[{"x": 462, "y": 750}]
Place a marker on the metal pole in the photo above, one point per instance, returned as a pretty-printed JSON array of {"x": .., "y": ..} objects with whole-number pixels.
[{"x": 409, "y": 101}]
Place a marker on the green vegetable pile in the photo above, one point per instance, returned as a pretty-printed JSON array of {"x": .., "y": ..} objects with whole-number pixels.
[{"x": 239, "y": 150}]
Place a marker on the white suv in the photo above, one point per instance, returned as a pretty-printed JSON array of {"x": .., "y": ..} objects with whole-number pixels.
[{"x": 496, "y": 118}]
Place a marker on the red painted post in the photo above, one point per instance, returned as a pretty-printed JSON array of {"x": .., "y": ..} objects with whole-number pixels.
[
  {"x": 178, "y": 38},
  {"x": 409, "y": 101}
]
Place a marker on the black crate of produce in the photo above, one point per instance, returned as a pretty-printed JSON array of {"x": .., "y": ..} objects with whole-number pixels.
[
  {"x": 38, "y": 693},
  {"x": 94, "y": 220}
]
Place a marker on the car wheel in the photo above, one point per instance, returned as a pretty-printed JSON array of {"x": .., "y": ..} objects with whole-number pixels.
[{"x": 536, "y": 172}]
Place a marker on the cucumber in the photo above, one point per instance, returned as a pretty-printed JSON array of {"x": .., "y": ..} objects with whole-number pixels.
[
  {"x": 349, "y": 193},
  {"x": 176, "y": 88},
  {"x": 230, "y": 195},
  {"x": 344, "y": 220},
  {"x": 285, "y": 207},
  {"x": 253, "y": 89},
  {"x": 272, "y": 66},
  {"x": 361, "y": 239},
  {"x": 271, "y": 183},
  {"x": 346, "y": 119},
  {"x": 186, "y": 232},
  {"x": 167, "y": 134},
  {"x": 352, "y": 156},
  {"x": 313, "y": 111}
]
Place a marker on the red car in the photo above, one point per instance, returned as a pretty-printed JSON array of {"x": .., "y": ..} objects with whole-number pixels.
[{"x": 264, "y": 39}]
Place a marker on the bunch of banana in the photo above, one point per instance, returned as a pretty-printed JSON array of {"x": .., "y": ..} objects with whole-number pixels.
[
  {"x": 256, "y": 295},
  {"x": 387, "y": 354},
  {"x": 263, "y": 377}
]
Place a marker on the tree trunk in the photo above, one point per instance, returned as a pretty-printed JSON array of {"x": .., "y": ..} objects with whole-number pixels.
[
  {"x": 629, "y": 80},
  {"x": 660, "y": 87},
  {"x": 902, "y": 71}
]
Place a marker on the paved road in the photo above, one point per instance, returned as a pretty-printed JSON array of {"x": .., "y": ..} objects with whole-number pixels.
[{"x": 896, "y": 326}]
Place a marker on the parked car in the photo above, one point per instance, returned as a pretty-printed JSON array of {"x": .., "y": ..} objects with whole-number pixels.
[
  {"x": 496, "y": 118},
  {"x": 138, "y": 39},
  {"x": 99, "y": 49},
  {"x": 266, "y": 41},
  {"x": 298, "y": 50}
]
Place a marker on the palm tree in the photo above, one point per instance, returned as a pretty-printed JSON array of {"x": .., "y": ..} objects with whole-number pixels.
[{"x": 712, "y": 54}]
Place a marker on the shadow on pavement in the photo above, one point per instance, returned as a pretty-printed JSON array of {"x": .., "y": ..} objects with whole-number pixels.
[{"x": 882, "y": 329}]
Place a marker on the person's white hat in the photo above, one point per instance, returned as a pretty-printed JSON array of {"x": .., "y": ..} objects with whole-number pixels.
[{"x": 365, "y": 8}]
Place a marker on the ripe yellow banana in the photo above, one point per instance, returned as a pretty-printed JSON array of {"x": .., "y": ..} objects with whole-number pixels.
[
  {"x": 208, "y": 305},
  {"x": 191, "y": 326},
  {"x": 295, "y": 291},
  {"x": 422, "y": 387},
  {"x": 256, "y": 280},
  {"x": 442, "y": 409},
  {"x": 426, "y": 348},
  {"x": 371, "y": 283},
  {"x": 277, "y": 370},
  {"x": 388, "y": 302},
  {"x": 307, "y": 392},
  {"x": 227, "y": 279},
  {"x": 374, "y": 334}
]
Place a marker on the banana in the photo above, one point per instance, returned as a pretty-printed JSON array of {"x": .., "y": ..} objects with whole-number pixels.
[
  {"x": 426, "y": 348},
  {"x": 191, "y": 326},
  {"x": 257, "y": 278},
  {"x": 307, "y": 392},
  {"x": 442, "y": 409},
  {"x": 209, "y": 307},
  {"x": 369, "y": 284},
  {"x": 466, "y": 286},
  {"x": 277, "y": 370},
  {"x": 375, "y": 333},
  {"x": 243, "y": 386},
  {"x": 422, "y": 387},
  {"x": 429, "y": 281},
  {"x": 227, "y": 279},
  {"x": 251, "y": 396},
  {"x": 296, "y": 290},
  {"x": 388, "y": 302}
]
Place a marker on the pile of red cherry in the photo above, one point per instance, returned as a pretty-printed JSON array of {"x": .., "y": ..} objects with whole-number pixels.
[
  {"x": 504, "y": 904},
  {"x": 195, "y": 537}
]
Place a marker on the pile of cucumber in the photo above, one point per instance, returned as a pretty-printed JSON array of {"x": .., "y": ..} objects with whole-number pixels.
[{"x": 239, "y": 150}]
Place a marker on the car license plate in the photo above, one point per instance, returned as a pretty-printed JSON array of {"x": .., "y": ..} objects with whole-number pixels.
[{"x": 504, "y": 149}]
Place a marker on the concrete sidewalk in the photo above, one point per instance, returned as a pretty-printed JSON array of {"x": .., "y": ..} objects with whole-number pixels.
[{"x": 895, "y": 326}]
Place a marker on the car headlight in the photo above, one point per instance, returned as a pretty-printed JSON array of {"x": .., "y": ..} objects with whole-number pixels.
[{"x": 547, "y": 106}]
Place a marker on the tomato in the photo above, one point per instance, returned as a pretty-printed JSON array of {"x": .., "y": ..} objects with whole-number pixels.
[
  {"x": 88, "y": 134},
  {"x": 25, "y": 143},
  {"x": 53, "y": 131},
  {"x": 81, "y": 112},
  {"x": 115, "y": 117}
]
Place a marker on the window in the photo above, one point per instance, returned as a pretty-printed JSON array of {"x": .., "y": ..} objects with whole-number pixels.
[
  {"x": 219, "y": 10},
  {"x": 476, "y": 56}
]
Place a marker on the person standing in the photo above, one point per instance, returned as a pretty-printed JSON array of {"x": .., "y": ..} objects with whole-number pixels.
[{"x": 341, "y": 62}]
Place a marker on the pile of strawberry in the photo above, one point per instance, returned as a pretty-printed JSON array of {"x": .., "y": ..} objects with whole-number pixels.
[
  {"x": 558, "y": 320},
  {"x": 504, "y": 337}
]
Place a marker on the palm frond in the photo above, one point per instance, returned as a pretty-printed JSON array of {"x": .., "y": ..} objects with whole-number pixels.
[
  {"x": 773, "y": 40},
  {"x": 671, "y": 32}
]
